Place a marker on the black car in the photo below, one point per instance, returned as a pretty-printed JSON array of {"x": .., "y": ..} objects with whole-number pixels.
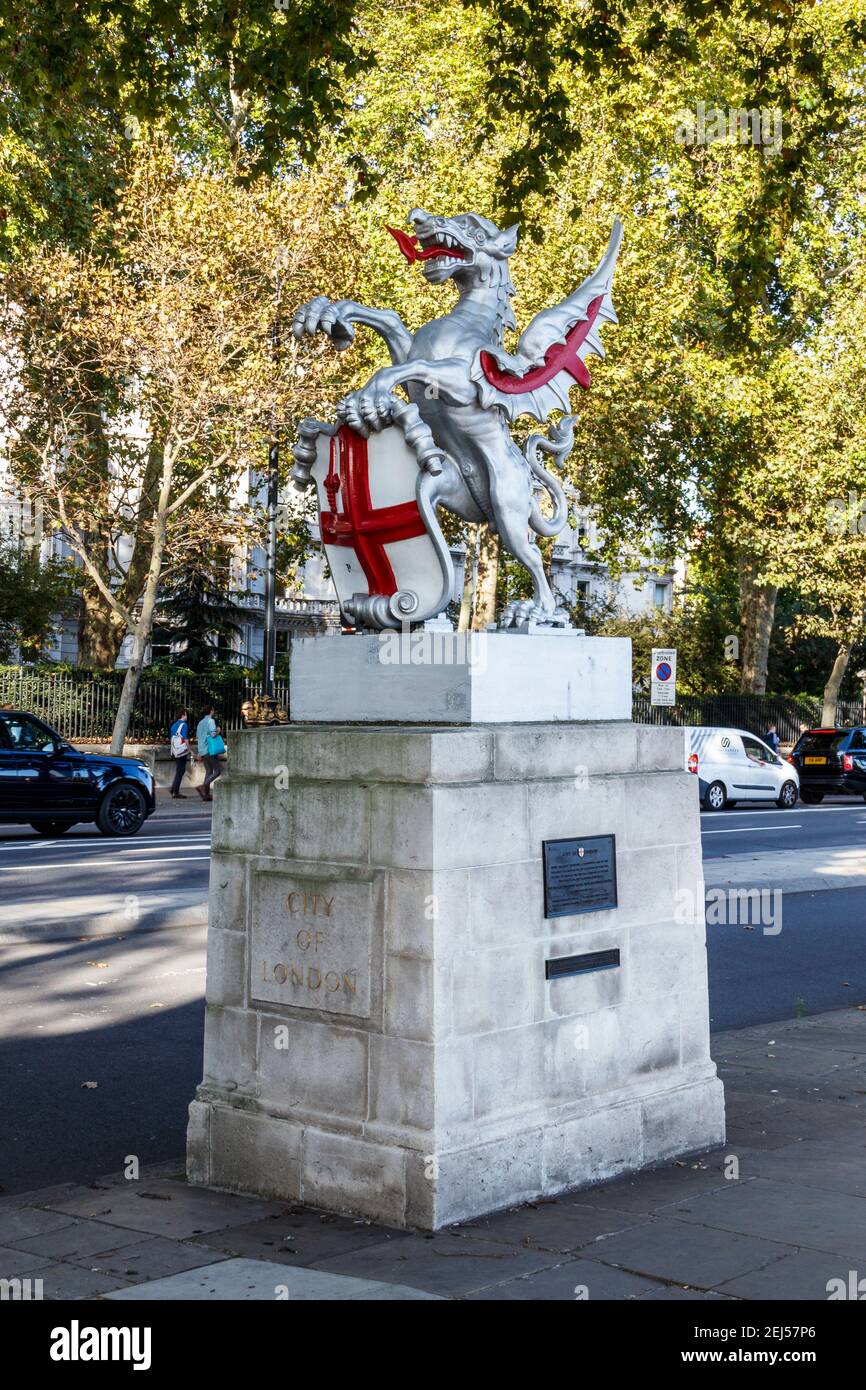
[
  {"x": 46, "y": 783},
  {"x": 830, "y": 760}
]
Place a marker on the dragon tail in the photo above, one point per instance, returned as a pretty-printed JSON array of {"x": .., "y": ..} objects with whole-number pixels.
[{"x": 558, "y": 442}]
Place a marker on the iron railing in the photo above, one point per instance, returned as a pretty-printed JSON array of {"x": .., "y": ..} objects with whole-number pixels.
[
  {"x": 753, "y": 713},
  {"x": 82, "y": 705}
]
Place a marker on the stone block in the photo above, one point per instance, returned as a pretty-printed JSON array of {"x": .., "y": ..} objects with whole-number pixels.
[
  {"x": 460, "y": 678},
  {"x": 344, "y": 1173},
  {"x": 605, "y": 1141},
  {"x": 227, "y": 903},
  {"x": 226, "y": 967},
  {"x": 497, "y": 988},
  {"x": 245, "y": 1143},
  {"x": 578, "y": 751},
  {"x": 307, "y": 1068},
  {"x": 230, "y": 1047},
  {"x": 509, "y": 1071},
  {"x": 402, "y": 1083},
  {"x": 447, "y": 827}
]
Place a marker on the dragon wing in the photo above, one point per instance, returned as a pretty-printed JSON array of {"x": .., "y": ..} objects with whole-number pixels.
[{"x": 552, "y": 350}]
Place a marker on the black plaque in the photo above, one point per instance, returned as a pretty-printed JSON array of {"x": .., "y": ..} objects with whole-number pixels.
[
  {"x": 579, "y": 875},
  {"x": 558, "y": 966}
]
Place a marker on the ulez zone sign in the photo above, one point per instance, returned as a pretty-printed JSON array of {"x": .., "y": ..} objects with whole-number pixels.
[{"x": 663, "y": 676}]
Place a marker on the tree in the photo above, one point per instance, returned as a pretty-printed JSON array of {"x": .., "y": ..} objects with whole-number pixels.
[
  {"x": 31, "y": 595},
  {"x": 175, "y": 331},
  {"x": 197, "y": 615}
]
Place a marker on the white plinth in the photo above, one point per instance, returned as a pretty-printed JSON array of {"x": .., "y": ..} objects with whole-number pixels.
[
  {"x": 460, "y": 678},
  {"x": 383, "y": 1035}
]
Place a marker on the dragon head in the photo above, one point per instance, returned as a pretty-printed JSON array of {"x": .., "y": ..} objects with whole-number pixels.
[{"x": 466, "y": 248}]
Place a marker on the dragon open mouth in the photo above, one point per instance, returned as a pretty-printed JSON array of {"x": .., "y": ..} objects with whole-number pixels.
[{"x": 427, "y": 248}]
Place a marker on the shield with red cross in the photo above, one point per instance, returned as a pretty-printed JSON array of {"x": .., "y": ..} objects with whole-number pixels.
[{"x": 372, "y": 529}]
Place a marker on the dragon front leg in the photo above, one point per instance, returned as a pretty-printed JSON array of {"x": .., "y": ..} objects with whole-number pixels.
[
  {"x": 336, "y": 319},
  {"x": 372, "y": 407}
]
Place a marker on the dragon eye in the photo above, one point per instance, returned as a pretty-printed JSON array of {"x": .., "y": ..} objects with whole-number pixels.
[{"x": 478, "y": 238}]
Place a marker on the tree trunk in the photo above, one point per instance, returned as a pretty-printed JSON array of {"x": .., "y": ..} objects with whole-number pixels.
[
  {"x": 757, "y": 613},
  {"x": 128, "y": 692},
  {"x": 100, "y": 632},
  {"x": 831, "y": 689},
  {"x": 468, "y": 580},
  {"x": 488, "y": 574},
  {"x": 143, "y": 627}
]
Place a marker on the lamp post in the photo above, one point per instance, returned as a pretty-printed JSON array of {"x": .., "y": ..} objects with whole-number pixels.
[{"x": 269, "y": 654}]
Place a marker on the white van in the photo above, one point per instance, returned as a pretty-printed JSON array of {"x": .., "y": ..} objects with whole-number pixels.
[{"x": 733, "y": 766}]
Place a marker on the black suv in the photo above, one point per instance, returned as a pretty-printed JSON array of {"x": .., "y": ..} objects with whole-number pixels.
[
  {"x": 46, "y": 783},
  {"x": 830, "y": 760}
]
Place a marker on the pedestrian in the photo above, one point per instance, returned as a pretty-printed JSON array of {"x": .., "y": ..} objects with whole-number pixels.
[
  {"x": 210, "y": 746},
  {"x": 772, "y": 738},
  {"x": 178, "y": 736}
]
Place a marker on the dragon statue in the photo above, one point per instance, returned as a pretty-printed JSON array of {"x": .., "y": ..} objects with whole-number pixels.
[{"x": 464, "y": 390}]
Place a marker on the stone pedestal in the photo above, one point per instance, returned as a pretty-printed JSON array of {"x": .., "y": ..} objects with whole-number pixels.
[
  {"x": 460, "y": 678},
  {"x": 382, "y": 1036}
]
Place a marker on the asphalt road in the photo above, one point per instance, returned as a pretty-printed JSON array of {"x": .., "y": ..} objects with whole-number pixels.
[
  {"x": 761, "y": 828},
  {"x": 123, "y": 1007},
  {"x": 85, "y": 882}
]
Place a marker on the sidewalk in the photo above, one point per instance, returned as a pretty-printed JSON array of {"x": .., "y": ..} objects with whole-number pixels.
[{"x": 793, "y": 1219}]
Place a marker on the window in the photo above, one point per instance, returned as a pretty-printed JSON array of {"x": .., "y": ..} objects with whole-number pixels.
[
  {"x": 24, "y": 735},
  {"x": 660, "y": 597},
  {"x": 756, "y": 751}
]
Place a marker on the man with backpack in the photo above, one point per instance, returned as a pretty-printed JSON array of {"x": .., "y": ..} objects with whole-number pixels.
[{"x": 179, "y": 739}]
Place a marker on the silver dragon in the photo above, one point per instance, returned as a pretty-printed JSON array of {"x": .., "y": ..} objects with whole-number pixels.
[{"x": 467, "y": 389}]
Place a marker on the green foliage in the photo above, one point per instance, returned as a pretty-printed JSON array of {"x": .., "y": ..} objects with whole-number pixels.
[{"x": 31, "y": 594}]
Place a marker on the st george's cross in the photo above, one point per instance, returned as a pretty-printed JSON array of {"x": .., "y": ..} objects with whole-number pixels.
[{"x": 375, "y": 538}]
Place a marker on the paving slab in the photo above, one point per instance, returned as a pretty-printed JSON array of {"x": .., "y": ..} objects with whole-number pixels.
[
  {"x": 784, "y": 1212},
  {"x": 444, "y": 1264},
  {"x": 244, "y": 1281},
  {"x": 165, "y": 1207},
  {"x": 573, "y": 1281},
  {"x": 16, "y": 1262},
  {"x": 151, "y": 1258},
  {"x": 801, "y": 1276},
  {"x": 300, "y": 1237},
  {"x": 557, "y": 1226},
  {"x": 681, "y": 1253},
  {"x": 815, "y": 1163},
  {"x": 79, "y": 1239},
  {"x": 20, "y": 1223},
  {"x": 66, "y": 1281},
  {"x": 656, "y": 1188}
]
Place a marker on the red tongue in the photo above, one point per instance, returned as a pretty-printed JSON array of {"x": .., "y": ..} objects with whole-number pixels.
[
  {"x": 405, "y": 242},
  {"x": 415, "y": 253}
]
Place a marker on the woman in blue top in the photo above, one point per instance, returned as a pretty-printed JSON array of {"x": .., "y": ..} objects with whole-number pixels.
[
  {"x": 205, "y": 731},
  {"x": 179, "y": 739}
]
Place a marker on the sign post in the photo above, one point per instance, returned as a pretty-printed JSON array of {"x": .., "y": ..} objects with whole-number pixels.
[{"x": 663, "y": 672}]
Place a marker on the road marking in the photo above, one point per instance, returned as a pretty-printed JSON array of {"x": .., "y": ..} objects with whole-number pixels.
[
  {"x": 744, "y": 829},
  {"x": 76, "y": 863},
  {"x": 801, "y": 811},
  {"x": 104, "y": 842}
]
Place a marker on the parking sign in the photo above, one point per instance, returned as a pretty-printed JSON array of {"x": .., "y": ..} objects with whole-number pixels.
[{"x": 663, "y": 676}]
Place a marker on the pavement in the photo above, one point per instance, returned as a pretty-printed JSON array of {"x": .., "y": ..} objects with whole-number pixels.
[{"x": 776, "y": 1214}]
